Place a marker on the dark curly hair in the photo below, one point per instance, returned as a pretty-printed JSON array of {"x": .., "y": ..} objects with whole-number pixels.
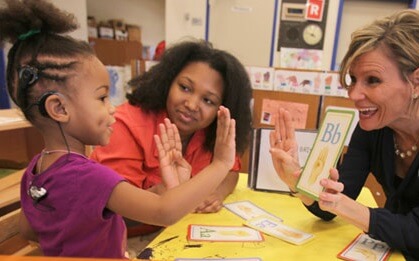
[
  {"x": 34, "y": 28},
  {"x": 150, "y": 90}
]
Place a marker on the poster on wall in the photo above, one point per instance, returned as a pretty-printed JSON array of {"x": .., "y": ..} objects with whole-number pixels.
[
  {"x": 309, "y": 82},
  {"x": 298, "y": 111},
  {"x": 297, "y": 58},
  {"x": 261, "y": 78}
]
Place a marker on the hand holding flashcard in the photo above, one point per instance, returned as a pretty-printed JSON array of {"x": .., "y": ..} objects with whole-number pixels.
[
  {"x": 365, "y": 248},
  {"x": 277, "y": 229},
  {"x": 247, "y": 210},
  {"x": 325, "y": 152}
]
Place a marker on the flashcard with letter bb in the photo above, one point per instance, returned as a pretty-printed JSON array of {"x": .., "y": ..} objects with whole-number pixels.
[{"x": 325, "y": 152}]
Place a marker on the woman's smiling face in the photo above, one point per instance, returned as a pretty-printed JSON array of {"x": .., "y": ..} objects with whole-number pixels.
[{"x": 378, "y": 90}]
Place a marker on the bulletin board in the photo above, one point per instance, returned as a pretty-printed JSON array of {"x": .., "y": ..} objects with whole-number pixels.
[
  {"x": 313, "y": 102},
  {"x": 334, "y": 101}
]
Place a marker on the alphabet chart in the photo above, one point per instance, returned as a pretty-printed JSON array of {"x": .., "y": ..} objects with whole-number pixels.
[{"x": 325, "y": 152}]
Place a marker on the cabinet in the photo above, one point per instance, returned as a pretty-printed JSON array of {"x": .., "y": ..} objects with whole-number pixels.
[{"x": 113, "y": 52}]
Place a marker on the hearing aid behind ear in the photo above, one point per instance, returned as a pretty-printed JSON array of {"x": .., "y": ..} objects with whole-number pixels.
[
  {"x": 28, "y": 75},
  {"x": 41, "y": 102}
]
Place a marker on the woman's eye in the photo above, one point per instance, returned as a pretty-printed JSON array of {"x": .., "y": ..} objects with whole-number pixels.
[
  {"x": 208, "y": 101},
  {"x": 349, "y": 81},
  {"x": 104, "y": 98},
  {"x": 373, "y": 80},
  {"x": 185, "y": 88}
]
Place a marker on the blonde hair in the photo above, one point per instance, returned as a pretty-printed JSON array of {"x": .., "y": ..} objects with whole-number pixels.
[{"x": 398, "y": 34}]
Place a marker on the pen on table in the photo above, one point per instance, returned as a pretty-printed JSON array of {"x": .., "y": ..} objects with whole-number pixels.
[
  {"x": 166, "y": 240},
  {"x": 192, "y": 246}
]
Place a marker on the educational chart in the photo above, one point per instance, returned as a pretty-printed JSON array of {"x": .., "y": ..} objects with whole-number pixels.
[
  {"x": 261, "y": 78},
  {"x": 309, "y": 82},
  {"x": 325, "y": 152}
]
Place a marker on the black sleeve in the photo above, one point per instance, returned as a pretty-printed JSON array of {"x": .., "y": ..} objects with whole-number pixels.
[{"x": 399, "y": 231}]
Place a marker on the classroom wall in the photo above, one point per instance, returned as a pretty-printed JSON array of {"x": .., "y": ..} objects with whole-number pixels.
[
  {"x": 149, "y": 14},
  {"x": 78, "y": 8},
  {"x": 252, "y": 45},
  {"x": 243, "y": 28},
  {"x": 357, "y": 13},
  {"x": 184, "y": 18}
]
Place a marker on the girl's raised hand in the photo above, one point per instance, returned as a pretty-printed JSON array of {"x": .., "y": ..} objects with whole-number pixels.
[
  {"x": 225, "y": 142},
  {"x": 174, "y": 168}
]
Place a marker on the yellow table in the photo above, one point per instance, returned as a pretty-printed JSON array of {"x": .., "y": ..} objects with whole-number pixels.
[{"x": 329, "y": 237}]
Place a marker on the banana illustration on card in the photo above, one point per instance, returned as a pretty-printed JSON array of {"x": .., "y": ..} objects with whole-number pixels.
[
  {"x": 236, "y": 233},
  {"x": 368, "y": 254},
  {"x": 318, "y": 165},
  {"x": 289, "y": 233}
]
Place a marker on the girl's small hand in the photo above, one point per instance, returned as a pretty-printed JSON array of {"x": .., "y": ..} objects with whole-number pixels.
[
  {"x": 225, "y": 142},
  {"x": 212, "y": 204},
  {"x": 330, "y": 198},
  {"x": 284, "y": 149},
  {"x": 174, "y": 168}
]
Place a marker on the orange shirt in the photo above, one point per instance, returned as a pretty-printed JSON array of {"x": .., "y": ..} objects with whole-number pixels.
[{"x": 132, "y": 152}]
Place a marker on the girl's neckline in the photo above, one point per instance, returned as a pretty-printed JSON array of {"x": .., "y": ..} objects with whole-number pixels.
[
  {"x": 48, "y": 152},
  {"x": 45, "y": 152}
]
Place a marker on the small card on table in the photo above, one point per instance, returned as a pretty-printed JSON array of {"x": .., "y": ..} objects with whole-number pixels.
[
  {"x": 220, "y": 259},
  {"x": 247, "y": 210},
  {"x": 364, "y": 247},
  {"x": 325, "y": 152},
  {"x": 223, "y": 233},
  {"x": 277, "y": 229}
]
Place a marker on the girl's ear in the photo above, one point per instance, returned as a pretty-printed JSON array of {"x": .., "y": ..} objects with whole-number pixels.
[{"x": 55, "y": 105}]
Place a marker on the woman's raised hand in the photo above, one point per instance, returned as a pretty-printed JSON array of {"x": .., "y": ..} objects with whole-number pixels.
[
  {"x": 225, "y": 142},
  {"x": 284, "y": 149}
]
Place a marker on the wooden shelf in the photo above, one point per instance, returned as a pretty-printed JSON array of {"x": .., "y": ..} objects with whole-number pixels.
[
  {"x": 20, "y": 141},
  {"x": 11, "y": 119}
]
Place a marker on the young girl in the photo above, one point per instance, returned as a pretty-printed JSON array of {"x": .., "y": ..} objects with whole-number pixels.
[{"x": 72, "y": 206}]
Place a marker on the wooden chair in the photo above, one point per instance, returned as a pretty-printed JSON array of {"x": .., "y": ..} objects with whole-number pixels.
[
  {"x": 10, "y": 192},
  {"x": 11, "y": 242}
]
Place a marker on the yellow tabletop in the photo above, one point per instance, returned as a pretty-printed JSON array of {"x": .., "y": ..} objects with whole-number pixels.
[{"x": 329, "y": 237}]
